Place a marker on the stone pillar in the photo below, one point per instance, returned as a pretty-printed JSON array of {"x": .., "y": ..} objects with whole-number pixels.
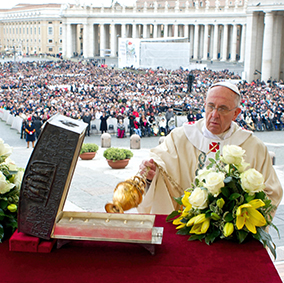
[
  {"x": 113, "y": 40},
  {"x": 186, "y": 30},
  {"x": 134, "y": 31},
  {"x": 225, "y": 43},
  {"x": 123, "y": 30},
  {"x": 155, "y": 30},
  {"x": 86, "y": 40},
  {"x": 243, "y": 39},
  {"x": 278, "y": 38},
  {"x": 234, "y": 43},
  {"x": 205, "y": 50},
  {"x": 267, "y": 47},
  {"x": 215, "y": 40},
  {"x": 102, "y": 40},
  {"x": 64, "y": 40},
  {"x": 145, "y": 31},
  {"x": 196, "y": 39},
  {"x": 176, "y": 30},
  {"x": 165, "y": 31},
  {"x": 70, "y": 41}
]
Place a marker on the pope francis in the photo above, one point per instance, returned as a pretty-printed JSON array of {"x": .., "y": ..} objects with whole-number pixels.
[{"x": 173, "y": 164}]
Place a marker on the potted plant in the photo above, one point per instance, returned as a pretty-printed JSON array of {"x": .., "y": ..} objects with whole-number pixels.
[
  {"x": 117, "y": 158},
  {"x": 88, "y": 151}
]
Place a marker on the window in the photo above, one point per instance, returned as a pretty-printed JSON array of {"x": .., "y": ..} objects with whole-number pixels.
[
  {"x": 27, "y": 30},
  {"x": 50, "y": 23},
  {"x": 60, "y": 41},
  {"x": 31, "y": 30},
  {"x": 50, "y": 49},
  {"x": 50, "y": 41},
  {"x": 60, "y": 30},
  {"x": 50, "y": 31},
  {"x": 20, "y": 30},
  {"x": 39, "y": 30},
  {"x": 35, "y": 30}
]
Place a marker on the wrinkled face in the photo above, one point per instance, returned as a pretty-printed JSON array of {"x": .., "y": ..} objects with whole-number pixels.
[{"x": 224, "y": 99}]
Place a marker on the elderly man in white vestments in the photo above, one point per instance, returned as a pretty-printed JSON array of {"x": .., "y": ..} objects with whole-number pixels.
[{"x": 186, "y": 147}]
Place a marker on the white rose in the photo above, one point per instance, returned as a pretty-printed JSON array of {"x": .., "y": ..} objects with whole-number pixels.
[
  {"x": 5, "y": 149},
  {"x": 232, "y": 154},
  {"x": 199, "y": 198},
  {"x": 10, "y": 164},
  {"x": 252, "y": 181},
  {"x": 202, "y": 173},
  {"x": 4, "y": 185},
  {"x": 214, "y": 182},
  {"x": 243, "y": 166}
]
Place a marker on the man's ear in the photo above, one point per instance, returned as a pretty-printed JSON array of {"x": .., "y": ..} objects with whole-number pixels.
[{"x": 237, "y": 112}]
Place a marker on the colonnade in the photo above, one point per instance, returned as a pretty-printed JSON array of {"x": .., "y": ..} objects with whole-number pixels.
[{"x": 225, "y": 42}]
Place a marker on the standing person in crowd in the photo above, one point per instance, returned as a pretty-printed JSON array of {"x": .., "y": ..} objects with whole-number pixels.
[
  {"x": 169, "y": 114},
  {"x": 131, "y": 118},
  {"x": 145, "y": 126},
  {"x": 87, "y": 118},
  {"x": 190, "y": 116},
  {"x": 190, "y": 147},
  {"x": 37, "y": 124},
  {"x": 30, "y": 132},
  {"x": 23, "y": 129},
  {"x": 103, "y": 125},
  {"x": 137, "y": 128}
]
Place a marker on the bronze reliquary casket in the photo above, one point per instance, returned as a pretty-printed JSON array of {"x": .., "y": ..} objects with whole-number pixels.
[{"x": 45, "y": 187}]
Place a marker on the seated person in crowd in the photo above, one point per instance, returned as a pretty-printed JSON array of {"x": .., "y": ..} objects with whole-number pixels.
[
  {"x": 179, "y": 154},
  {"x": 120, "y": 129}
]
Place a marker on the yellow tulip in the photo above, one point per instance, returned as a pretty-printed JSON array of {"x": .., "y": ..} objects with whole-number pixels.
[
  {"x": 248, "y": 215},
  {"x": 200, "y": 224},
  {"x": 12, "y": 207},
  {"x": 228, "y": 229},
  {"x": 185, "y": 200}
]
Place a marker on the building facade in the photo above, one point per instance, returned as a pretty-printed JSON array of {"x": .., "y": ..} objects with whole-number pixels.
[{"x": 241, "y": 30}]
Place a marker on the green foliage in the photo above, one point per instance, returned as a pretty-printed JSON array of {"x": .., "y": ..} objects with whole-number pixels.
[
  {"x": 115, "y": 154},
  {"x": 89, "y": 147}
]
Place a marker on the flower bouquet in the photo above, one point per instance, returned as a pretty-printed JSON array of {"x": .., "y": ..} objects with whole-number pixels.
[
  {"x": 10, "y": 184},
  {"x": 226, "y": 201}
]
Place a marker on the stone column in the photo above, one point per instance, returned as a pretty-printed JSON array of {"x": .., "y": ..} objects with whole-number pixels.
[
  {"x": 123, "y": 30},
  {"x": 86, "y": 42},
  {"x": 113, "y": 40},
  {"x": 70, "y": 41},
  {"x": 243, "y": 39},
  {"x": 134, "y": 31},
  {"x": 145, "y": 31},
  {"x": 278, "y": 38},
  {"x": 234, "y": 43},
  {"x": 186, "y": 30},
  {"x": 267, "y": 47},
  {"x": 165, "y": 30},
  {"x": 225, "y": 43},
  {"x": 102, "y": 40},
  {"x": 64, "y": 40},
  {"x": 196, "y": 39},
  {"x": 215, "y": 40},
  {"x": 155, "y": 30},
  {"x": 176, "y": 30},
  {"x": 205, "y": 50}
]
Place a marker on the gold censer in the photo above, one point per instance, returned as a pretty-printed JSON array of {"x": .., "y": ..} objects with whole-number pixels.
[{"x": 127, "y": 194}]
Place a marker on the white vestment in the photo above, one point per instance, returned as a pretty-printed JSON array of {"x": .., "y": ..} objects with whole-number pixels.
[{"x": 180, "y": 155}]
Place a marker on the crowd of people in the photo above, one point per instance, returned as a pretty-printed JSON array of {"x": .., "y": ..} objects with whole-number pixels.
[{"x": 148, "y": 98}]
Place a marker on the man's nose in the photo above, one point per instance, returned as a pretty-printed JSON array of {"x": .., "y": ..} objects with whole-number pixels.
[{"x": 215, "y": 112}]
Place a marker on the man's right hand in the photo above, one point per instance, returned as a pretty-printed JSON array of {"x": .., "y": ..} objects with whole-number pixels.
[{"x": 148, "y": 165}]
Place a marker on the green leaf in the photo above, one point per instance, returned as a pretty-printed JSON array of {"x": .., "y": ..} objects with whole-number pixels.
[
  {"x": 265, "y": 239},
  {"x": 229, "y": 217},
  {"x": 196, "y": 237},
  {"x": 174, "y": 214},
  {"x": 2, "y": 213},
  {"x": 178, "y": 200},
  {"x": 1, "y": 233},
  {"x": 210, "y": 238},
  {"x": 3, "y": 204},
  {"x": 212, "y": 160},
  {"x": 234, "y": 196},
  {"x": 225, "y": 191},
  {"x": 242, "y": 235},
  {"x": 184, "y": 231}
]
